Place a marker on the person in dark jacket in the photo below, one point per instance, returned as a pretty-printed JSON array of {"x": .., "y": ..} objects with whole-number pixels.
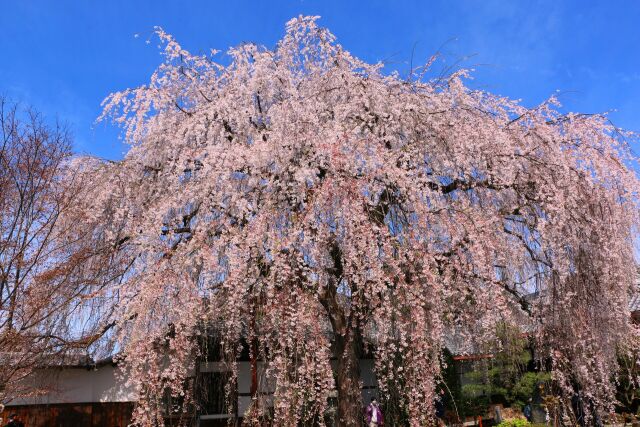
[
  {"x": 527, "y": 411},
  {"x": 578, "y": 409}
]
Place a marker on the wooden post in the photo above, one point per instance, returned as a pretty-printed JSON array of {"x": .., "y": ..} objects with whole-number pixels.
[{"x": 254, "y": 369}]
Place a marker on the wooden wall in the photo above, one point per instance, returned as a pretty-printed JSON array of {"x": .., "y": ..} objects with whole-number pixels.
[{"x": 117, "y": 414}]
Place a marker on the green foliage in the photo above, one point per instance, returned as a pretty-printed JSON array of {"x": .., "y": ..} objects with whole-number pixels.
[
  {"x": 505, "y": 378},
  {"x": 516, "y": 422},
  {"x": 473, "y": 401},
  {"x": 627, "y": 388},
  {"x": 525, "y": 387}
]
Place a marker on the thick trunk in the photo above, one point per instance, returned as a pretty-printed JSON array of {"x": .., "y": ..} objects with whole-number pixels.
[
  {"x": 348, "y": 381},
  {"x": 346, "y": 345}
]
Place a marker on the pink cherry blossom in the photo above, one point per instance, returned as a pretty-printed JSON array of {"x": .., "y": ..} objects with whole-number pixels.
[{"x": 309, "y": 203}]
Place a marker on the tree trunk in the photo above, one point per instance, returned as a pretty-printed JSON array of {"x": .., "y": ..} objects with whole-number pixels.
[
  {"x": 348, "y": 381},
  {"x": 346, "y": 346}
]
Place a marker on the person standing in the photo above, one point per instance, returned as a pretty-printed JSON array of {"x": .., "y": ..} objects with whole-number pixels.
[
  {"x": 578, "y": 409},
  {"x": 497, "y": 414},
  {"x": 527, "y": 411},
  {"x": 373, "y": 414}
]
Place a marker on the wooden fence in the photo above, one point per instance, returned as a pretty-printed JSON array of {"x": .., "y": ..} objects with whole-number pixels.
[{"x": 116, "y": 414}]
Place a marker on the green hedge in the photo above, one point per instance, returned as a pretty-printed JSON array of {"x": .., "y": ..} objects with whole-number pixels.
[{"x": 515, "y": 423}]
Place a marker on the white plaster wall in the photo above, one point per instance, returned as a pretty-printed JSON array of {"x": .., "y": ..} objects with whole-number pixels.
[
  {"x": 110, "y": 387},
  {"x": 78, "y": 385}
]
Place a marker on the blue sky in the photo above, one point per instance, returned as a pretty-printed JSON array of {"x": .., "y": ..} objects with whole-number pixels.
[{"x": 64, "y": 57}]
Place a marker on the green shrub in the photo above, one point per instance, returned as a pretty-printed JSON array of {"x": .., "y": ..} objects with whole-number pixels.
[{"x": 516, "y": 422}]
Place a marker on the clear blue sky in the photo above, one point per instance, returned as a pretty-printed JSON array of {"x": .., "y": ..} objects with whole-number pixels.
[{"x": 64, "y": 57}]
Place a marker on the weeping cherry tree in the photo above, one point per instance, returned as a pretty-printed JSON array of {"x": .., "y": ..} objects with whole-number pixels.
[{"x": 311, "y": 206}]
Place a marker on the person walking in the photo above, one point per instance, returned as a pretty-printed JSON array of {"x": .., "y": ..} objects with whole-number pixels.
[{"x": 373, "y": 414}]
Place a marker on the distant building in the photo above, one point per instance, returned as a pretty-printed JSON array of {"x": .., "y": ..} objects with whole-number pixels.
[{"x": 83, "y": 393}]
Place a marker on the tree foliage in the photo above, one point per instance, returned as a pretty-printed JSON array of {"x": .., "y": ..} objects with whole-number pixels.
[
  {"x": 52, "y": 264},
  {"x": 302, "y": 199}
]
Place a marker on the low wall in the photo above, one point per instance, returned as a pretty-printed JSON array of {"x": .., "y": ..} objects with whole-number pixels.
[{"x": 94, "y": 414}]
